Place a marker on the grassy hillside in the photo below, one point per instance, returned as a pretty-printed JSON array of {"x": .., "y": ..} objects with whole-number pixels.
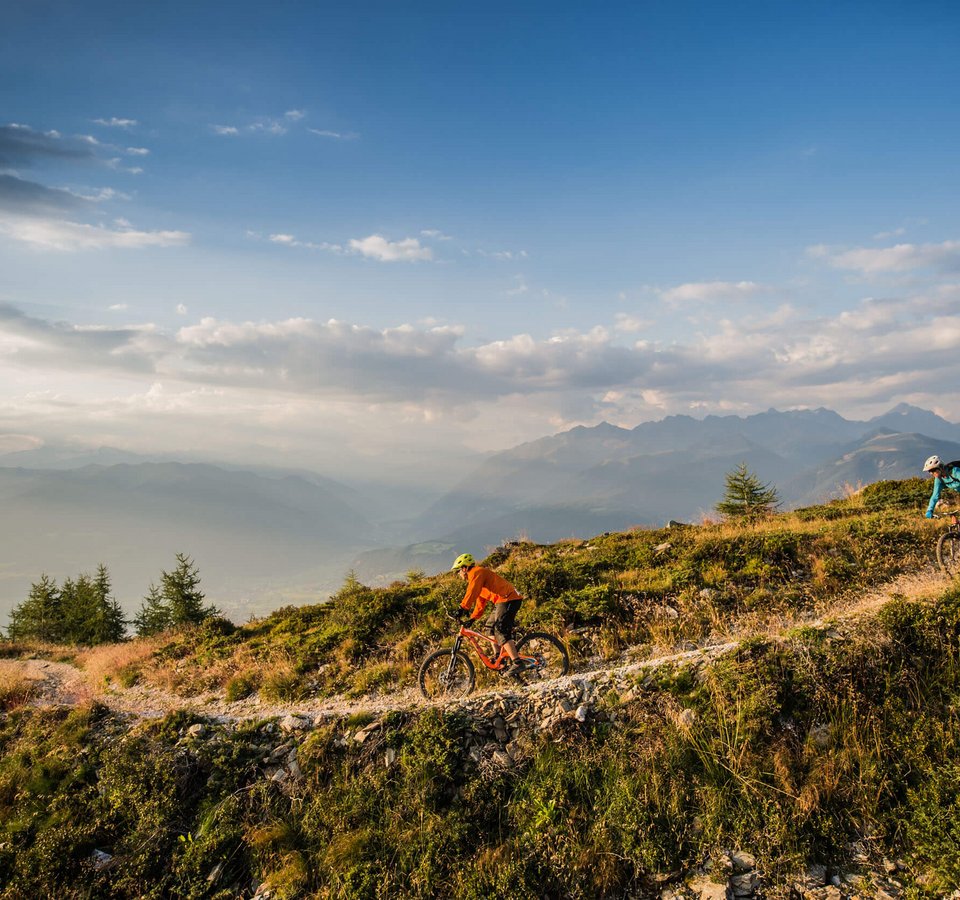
[
  {"x": 662, "y": 589},
  {"x": 826, "y": 738}
]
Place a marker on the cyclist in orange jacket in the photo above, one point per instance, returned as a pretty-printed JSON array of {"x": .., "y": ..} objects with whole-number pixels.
[{"x": 486, "y": 586}]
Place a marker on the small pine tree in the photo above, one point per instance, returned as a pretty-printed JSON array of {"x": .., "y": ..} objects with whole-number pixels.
[
  {"x": 181, "y": 591},
  {"x": 746, "y": 496},
  {"x": 111, "y": 622},
  {"x": 79, "y": 602},
  {"x": 154, "y": 615},
  {"x": 178, "y": 600},
  {"x": 40, "y": 616}
]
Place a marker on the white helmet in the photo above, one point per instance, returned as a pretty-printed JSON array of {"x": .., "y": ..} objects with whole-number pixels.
[{"x": 932, "y": 463}]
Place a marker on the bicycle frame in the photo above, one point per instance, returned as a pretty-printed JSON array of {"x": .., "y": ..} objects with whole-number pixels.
[
  {"x": 499, "y": 657},
  {"x": 495, "y": 660},
  {"x": 450, "y": 670}
]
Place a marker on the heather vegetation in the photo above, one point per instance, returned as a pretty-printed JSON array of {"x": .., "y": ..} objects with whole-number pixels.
[{"x": 828, "y": 735}]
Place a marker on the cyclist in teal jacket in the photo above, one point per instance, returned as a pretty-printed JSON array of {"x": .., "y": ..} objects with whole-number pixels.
[{"x": 944, "y": 475}]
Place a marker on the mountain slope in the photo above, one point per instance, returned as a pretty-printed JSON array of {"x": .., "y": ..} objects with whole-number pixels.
[
  {"x": 885, "y": 455},
  {"x": 753, "y": 712},
  {"x": 589, "y": 480}
]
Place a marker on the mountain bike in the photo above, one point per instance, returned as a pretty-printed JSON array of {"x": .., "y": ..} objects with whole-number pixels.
[
  {"x": 450, "y": 673},
  {"x": 948, "y": 546}
]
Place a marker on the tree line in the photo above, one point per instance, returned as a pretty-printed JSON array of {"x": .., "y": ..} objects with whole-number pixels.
[{"x": 82, "y": 610}]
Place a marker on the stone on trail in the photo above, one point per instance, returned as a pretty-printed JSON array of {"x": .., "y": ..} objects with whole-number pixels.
[{"x": 294, "y": 723}]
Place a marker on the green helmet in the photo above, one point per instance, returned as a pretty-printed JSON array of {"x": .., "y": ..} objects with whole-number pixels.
[{"x": 464, "y": 559}]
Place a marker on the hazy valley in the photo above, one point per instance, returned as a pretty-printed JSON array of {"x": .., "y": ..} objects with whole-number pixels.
[{"x": 266, "y": 538}]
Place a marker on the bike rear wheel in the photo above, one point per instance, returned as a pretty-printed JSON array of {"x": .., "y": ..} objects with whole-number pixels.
[
  {"x": 550, "y": 655},
  {"x": 948, "y": 553},
  {"x": 446, "y": 674}
]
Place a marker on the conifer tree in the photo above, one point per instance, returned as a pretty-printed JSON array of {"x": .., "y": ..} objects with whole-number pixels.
[
  {"x": 40, "y": 616},
  {"x": 181, "y": 591},
  {"x": 178, "y": 600},
  {"x": 79, "y": 605},
  {"x": 111, "y": 622},
  {"x": 154, "y": 615},
  {"x": 746, "y": 496}
]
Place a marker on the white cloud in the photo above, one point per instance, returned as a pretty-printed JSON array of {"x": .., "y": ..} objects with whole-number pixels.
[
  {"x": 138, "y": 151},
  {"x": 63, "y": 235},
  {"x": 118, "y": 307},
  {"x": 114, "y": 122},
  {"x": 520, "y": 287},
  {"x": 88, "y": 139},
  {"x": 181, "y": 309},
  {"x": 100, "y": 195},
  {"x": 116, "y": 163},
  {"x": 873, "y": 354},
  {"x": 379, "y": 248},
  {"x": 627, "y": 324},
  {"x": 511, "y": 255},
  {"x": 886, "y": 235},
  {"x": 898, "y": 258},
  {"x": 289, "y": 240},
  {"x": 435, "y": 235},
  {"x": 268, "y": 126},
  {"x": 277, "y": 126},
  {"x": 713, "y": 291},
  {"x": 336, "y": 135}
]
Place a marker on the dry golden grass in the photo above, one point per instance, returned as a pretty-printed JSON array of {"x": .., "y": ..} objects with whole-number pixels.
[
  {"x": 114, "y": 662},
  {"x": 16, "y": 688},
  {"x": 244, "y": 661},
  {"x": 36, "y": 650}
]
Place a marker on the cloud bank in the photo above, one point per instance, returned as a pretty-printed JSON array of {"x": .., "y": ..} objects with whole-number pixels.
[{"x": 875, "y": 352}]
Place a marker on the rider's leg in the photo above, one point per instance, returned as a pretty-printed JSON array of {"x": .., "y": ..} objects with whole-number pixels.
[{"x": 502, "y": 620}]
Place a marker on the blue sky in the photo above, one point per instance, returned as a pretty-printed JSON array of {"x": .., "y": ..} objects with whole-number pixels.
[{"x": 318, "y": 234}]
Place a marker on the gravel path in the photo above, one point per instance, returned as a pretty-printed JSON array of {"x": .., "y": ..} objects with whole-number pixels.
[{"x": 64, "y": 684}]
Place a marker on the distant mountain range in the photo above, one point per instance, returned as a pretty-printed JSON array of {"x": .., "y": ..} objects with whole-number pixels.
[
  {"x": 588, "y": 480},
  {"x": 264, "y": 538}
]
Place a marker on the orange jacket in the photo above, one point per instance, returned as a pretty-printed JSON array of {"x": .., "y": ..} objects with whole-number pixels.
[{"x": 486, "y": 586}]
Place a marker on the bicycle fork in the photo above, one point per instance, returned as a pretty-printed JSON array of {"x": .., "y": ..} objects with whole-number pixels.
[{"x": 453, "y": 657}]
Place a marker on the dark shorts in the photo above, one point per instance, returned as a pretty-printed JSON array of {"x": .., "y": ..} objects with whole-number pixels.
[{"x": 502, "y": 618}]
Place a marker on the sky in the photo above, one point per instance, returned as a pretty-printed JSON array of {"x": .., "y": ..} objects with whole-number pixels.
[{"x": 357, "y": 238}]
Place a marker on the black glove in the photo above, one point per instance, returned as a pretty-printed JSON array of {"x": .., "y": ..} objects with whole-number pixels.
[{"x": 462, "y": 614}]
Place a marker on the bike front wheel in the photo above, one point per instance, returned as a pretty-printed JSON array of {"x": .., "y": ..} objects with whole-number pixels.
[
  {"x": 446, "y": 675},
  {"x": 948, "y": 553},
  {"x": 549, "y": 655}
]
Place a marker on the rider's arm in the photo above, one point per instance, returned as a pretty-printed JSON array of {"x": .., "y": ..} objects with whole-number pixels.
[
  {"x": 472, "y": 598},
  {"x": 935, "y": 496}
]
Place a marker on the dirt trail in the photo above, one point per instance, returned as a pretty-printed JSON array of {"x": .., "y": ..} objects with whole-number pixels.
[
  {"x": 64, "y": 684},
  {"x": 54, "y": 683}
]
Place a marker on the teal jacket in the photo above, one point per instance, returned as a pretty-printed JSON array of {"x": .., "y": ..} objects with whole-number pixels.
[{"x": 950, "y": 480}]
